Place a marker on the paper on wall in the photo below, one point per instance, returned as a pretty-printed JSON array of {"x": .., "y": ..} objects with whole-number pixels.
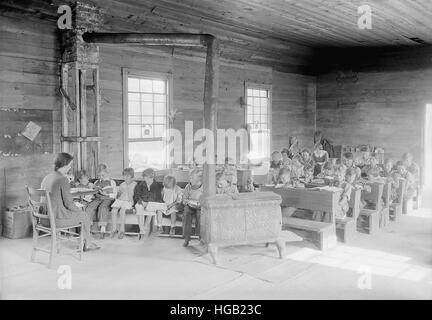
[{"x": 31, "y": 130}]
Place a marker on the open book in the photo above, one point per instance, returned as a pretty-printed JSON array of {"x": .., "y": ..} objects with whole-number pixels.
[{"x": 155, "y": 206}]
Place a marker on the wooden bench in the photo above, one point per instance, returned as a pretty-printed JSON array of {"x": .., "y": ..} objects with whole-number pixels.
[
  {"x": 369, "y": 217},
  {"x": 346, "y": 228},
  {"x": 396, "y": 206},
  {"x": 322, "y": 234}
]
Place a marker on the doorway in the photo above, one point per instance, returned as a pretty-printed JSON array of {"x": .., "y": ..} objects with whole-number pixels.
[{"x": 427, "y": 174}]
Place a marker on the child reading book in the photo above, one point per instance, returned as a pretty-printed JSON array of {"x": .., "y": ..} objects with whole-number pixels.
[
  {"x": 147, "y": 191},
  {"x": 123, "y": 202},
  {"x": 190, "y": 200},
  {"x": 99, "y": 208},
  {"x": 172, "y": 196}
]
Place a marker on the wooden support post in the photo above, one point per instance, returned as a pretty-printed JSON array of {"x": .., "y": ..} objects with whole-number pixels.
[
  {"x": 83, "y": 116},
  {"x": 211, "y": 90}
]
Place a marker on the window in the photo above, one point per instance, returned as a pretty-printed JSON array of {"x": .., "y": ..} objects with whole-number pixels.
[
  {"x": 258, "y": 120},
  {"x": 147, "y": 102}
]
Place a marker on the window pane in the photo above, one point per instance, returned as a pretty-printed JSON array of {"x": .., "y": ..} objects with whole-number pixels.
[
  {"x": 134, "y": 108},
  {"x": 249, "y": 118},
  {"x": 159, "y": 98},
  {"x": 159, "y": 130},
  {"x": 147, "y": 120},
  {"x": 133, "y": 97},
  {"x": 134, "y": 132},
  {"x": 256, "y": 101},
  {"x": 146, "y": 154},
  {"x": 160, "y": 120},
  {"x": 134, "y": 120},
  {"x": 147, "y": 108},
  {"x": 133, "y": 84},
  {"x": 255, "y": 93},
  {"x": 160, "y": 108},
  {"x": 263, "y": 118},
  {"x": 256, "y": 110},
  {"x": 263, "y": 93},
  {"x": 264, "y": 102},
  {"x": 249, "y": 92},
  {"x": 158, "y": 86},
  {"x": 145, "y": 85},
  {"x": 146, "y": 97}
]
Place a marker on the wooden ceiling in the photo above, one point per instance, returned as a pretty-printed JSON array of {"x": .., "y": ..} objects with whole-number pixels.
[
  {"x": 307, "y": 22},
  {"x": 279, "y": 33}
]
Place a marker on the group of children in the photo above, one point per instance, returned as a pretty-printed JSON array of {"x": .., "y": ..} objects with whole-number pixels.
[
  {"x": 290, "y": 167},
  {"x": 110, "y": 203},
  {"x": 295, "y": 169}
]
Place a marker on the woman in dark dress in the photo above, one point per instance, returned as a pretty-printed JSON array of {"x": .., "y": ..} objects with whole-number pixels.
[{"x": 65, "y": 210}]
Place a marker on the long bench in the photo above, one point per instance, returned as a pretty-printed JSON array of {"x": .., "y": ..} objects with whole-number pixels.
[{"x": 322, "y": 234}]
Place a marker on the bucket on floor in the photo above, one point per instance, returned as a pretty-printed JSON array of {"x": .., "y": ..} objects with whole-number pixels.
[{"x": 17, "y": 223}]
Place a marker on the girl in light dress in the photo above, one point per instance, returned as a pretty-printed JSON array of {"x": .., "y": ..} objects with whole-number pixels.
[
  {"x": 123, "y": 202},
  {"x": 172, "y": 196}
]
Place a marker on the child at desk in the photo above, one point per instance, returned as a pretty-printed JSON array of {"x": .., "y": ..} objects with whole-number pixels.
[
  {"x": 147, "y": 191},
  {"x": 190, "y": 200},
  {"x": 410, "y": 185},
  {"x": 83, "y": 180},
  {"x": 223, "y": 186},
  {"x": 372, "y": 171},
  {"x": 297, "y": 170},
  {"x": 107, "y": 193},
  {"x": 123, "y": 202},
  {"x": 172, "y": 196},
  {"x": 343, "y": 204},
  {"x": 84, "y": 183},
  {"x": 276, "y": 160},
  {"x": 285, "y": 179},
  {"x": 349, "y": 163}
]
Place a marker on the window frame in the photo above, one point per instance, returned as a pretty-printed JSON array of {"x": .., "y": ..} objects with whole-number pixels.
[
  {"x": 260, "y": 86},
  {"x": 126, "y": 73}
]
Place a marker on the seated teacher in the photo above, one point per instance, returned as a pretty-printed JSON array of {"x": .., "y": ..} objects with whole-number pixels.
[{"x": 65, "y": 210}]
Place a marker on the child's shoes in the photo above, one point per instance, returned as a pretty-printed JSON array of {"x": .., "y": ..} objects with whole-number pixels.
[
  {"x": 121, "y": 235},
  {"x": 172, "y": 231}
]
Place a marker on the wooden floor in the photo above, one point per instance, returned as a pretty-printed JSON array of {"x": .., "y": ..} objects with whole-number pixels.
[{"x": 399, "y": 260}]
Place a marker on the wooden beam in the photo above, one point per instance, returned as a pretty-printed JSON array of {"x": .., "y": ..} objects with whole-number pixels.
[
  {"x": 150, "y": 39},
  {"x": 211, "y": 90}
]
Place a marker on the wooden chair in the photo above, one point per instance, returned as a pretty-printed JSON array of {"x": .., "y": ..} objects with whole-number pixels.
[{"x": 44, "y": 226}]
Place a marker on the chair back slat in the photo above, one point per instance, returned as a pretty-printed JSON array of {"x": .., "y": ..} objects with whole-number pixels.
[{"x": 40, "y": 203}]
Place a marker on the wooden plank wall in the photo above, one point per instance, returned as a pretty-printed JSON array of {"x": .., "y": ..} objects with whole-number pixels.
[
  {"x": 384, "y": 108},
  {"x": 28, "y": 79},
  {"x": 293, "y": 96}
]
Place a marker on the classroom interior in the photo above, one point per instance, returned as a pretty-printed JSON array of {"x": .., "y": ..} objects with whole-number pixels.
[{"x": 107, "y": 86}]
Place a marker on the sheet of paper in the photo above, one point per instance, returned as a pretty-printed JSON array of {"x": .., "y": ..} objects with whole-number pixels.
[{"x": 31, "y": 131}]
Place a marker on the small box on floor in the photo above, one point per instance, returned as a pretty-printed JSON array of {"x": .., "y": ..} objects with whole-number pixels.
[{"x": 17, "y": 223}]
